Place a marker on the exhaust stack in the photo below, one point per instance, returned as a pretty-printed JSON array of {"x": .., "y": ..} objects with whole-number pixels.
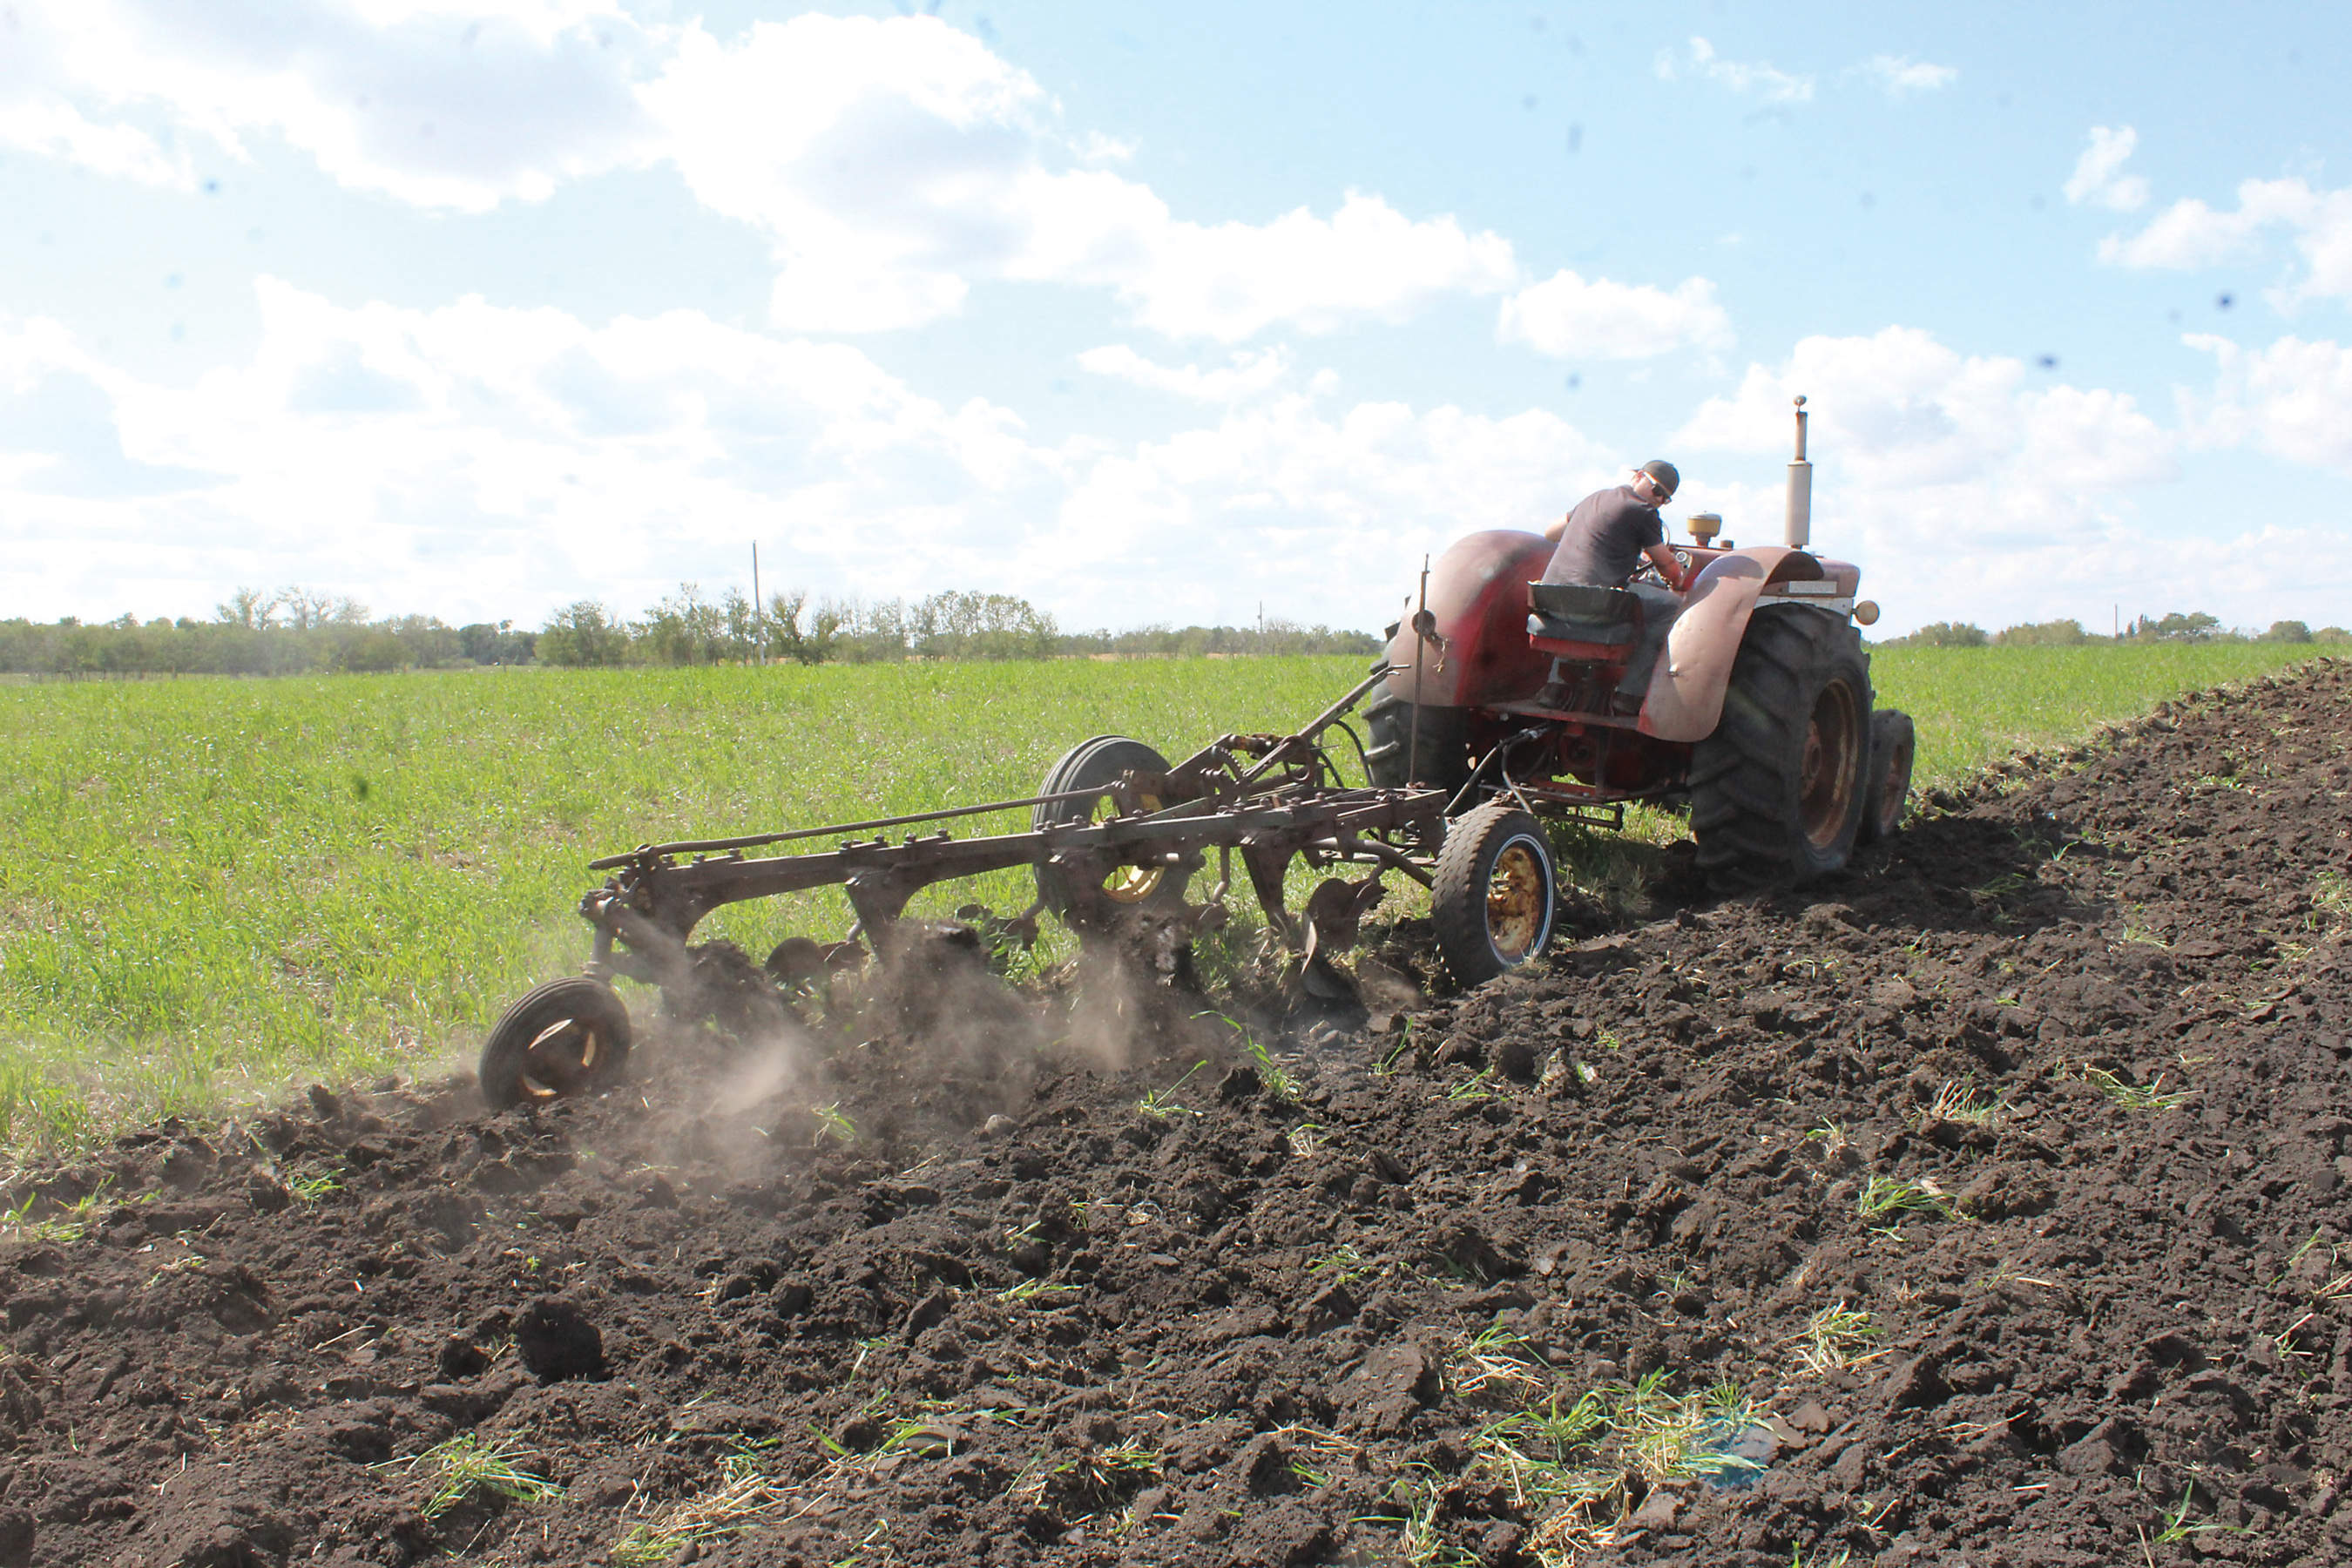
[{"x": 1800, "y": 490}]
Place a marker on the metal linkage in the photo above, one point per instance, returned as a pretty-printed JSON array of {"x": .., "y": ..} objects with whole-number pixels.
[{"x": 1269, "y": 797}]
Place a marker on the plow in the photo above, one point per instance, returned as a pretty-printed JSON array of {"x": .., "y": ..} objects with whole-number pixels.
[
  {"x": 1741, "y": 696},
  {"x": 1119, "y": 836}
]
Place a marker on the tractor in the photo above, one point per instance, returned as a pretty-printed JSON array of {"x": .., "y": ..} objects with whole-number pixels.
[{"x": 1751, "y": 706}]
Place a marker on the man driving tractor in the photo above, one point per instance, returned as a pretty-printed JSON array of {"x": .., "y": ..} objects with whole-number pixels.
[{"x": 1605, "y": 539}]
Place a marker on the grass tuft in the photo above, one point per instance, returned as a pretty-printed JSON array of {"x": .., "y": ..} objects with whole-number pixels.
[
  {"x": 313, "y": 1189},
  {"x": 1961, "y": 1101},
  {"x": 1888, "y": 1197},
  {"x": 2136, "y": 1096},
  {"x": 465, "y": 1466},
  {"x": 1162, "y": 1104},
  {"x": 69, "y": 1223},
  {"x": 1831, "y": 1338},
  {"x": 1342, "y": 1265},
  {"x": 744, "y": 1496},
  {"x": 2331, "y": 897}
]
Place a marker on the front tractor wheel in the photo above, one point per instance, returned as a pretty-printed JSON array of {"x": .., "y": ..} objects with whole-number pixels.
[
  {"x": 567, "y": 1037},
  {"x": 1494, "y": 898},
  {"x": 1777, "y": 791}
]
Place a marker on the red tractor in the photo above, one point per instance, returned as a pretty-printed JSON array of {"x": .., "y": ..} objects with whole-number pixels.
[{"x": 1752, "y": 704}]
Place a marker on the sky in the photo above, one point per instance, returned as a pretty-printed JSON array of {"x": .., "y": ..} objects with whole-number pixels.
[{"x": 1163, "y": 314}]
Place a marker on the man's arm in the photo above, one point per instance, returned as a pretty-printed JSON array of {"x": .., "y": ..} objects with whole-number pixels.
[
  {"x": 1557, "y": 529},
  {"x": 1662, "y": 557}
]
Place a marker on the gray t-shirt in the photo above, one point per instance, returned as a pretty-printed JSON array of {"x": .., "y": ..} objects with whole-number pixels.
[{"x": 1605, "y": 536}]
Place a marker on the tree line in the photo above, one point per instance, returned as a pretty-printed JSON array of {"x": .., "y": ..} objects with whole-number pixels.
[
  {"x": 2194, "y": 625},
  {"x": 298, "y": 631}
]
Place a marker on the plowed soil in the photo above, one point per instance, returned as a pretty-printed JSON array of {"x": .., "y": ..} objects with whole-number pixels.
[{"x": 2084, "y": 1026}]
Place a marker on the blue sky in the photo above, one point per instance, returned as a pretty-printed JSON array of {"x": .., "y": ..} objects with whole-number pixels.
[{"x": 479, "y": 306}]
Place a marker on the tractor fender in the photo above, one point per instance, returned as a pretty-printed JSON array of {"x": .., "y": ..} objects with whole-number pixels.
[
  {"x": 1685, "y": 699},
  {"x": 1478, "y": 649}
]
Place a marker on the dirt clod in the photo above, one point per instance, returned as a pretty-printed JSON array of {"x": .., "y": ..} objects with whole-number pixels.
[{"x": 555, "y": 1341}]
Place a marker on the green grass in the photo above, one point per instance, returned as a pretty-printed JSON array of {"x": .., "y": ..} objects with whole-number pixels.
[{"x": 217, "y": 886}]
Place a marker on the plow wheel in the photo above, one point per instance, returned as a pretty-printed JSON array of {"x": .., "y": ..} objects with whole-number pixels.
[
  {"x": 1097, "y": 764},
  {"x": 1777, "y": 791},
  {"x": 1494, "y": 897},
  {"x": 569, "y": 1036}
]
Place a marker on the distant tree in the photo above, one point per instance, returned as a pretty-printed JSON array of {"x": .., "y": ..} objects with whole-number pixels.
[
  {"x": 684, "y": 628},
  {"x": 2043, "y": 633},
  {"x": 485, "y": 642},
  {"x": 2332, "y": 635},
  {"x": 2287, "y": 631},
  {"x": 248, "y": 607},
  {"x": 2194, "y": 626},
  {"x": 802, "y": 632},
  {"x": 372, "y": 652},
  {"x": 584, "y": 633},
  {"x": 308, "y": 609},
  {"x": 1945, "y": 634}
]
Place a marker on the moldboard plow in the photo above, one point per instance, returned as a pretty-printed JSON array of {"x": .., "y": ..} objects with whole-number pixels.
[{"x": 1117, "y": 838}]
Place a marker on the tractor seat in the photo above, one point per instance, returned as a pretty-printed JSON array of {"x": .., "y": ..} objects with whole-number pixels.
[{"x": 1608, "y": 619}]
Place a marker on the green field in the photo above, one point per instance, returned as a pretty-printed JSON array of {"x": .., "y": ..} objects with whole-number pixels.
[{"x": 213, "y": 887}]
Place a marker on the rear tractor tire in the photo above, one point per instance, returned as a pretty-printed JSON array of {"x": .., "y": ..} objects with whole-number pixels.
[
  {"x": 1494, "y": 897},
  {"x": 1888, "y": 799},
  {"x": 567, "y": 1037},
  {"x": 1096, "y": 764},
  {"x": 1443, "y": 758},
  {"x": 1777, "y": 791}
]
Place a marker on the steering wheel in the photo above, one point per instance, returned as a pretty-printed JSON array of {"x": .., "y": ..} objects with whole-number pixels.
[{"x": 1648, "y": 570}]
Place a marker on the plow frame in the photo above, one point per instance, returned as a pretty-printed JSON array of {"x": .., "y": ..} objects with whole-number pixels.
[{"x": 1270, "y": 798}]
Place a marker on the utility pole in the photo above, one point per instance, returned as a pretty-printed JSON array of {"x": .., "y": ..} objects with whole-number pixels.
[{"x": 759, "y": 623}]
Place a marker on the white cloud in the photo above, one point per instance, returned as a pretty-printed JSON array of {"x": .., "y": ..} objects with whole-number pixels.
[
  {"x": 1325, "y": 513},
  {"x": 2190, "y": 235},
  {"x": 56, "y": 128},
  {"x": 1899, "y": 411},
  {"x": 895, "y": 161},
  {"x": 1251, "y": 373},
  {"x": 445, "y": 105},
  {"x": 467, "y": 451},
  {"x": 1567, "y": 316},
  {"x": 482, "y": 461},
  {"x": 2292, "y": 400},
  {"x": 2098, "y": 175},
  {"x": 1768, "y": 82},
  {"x": 1366, "y": 261},
  {"x": 891, "y": 163},
  {"x": 1968, "y": 491},
  {"x": 1900, "y": 74},
  {"x": 478, "y": 461}
]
